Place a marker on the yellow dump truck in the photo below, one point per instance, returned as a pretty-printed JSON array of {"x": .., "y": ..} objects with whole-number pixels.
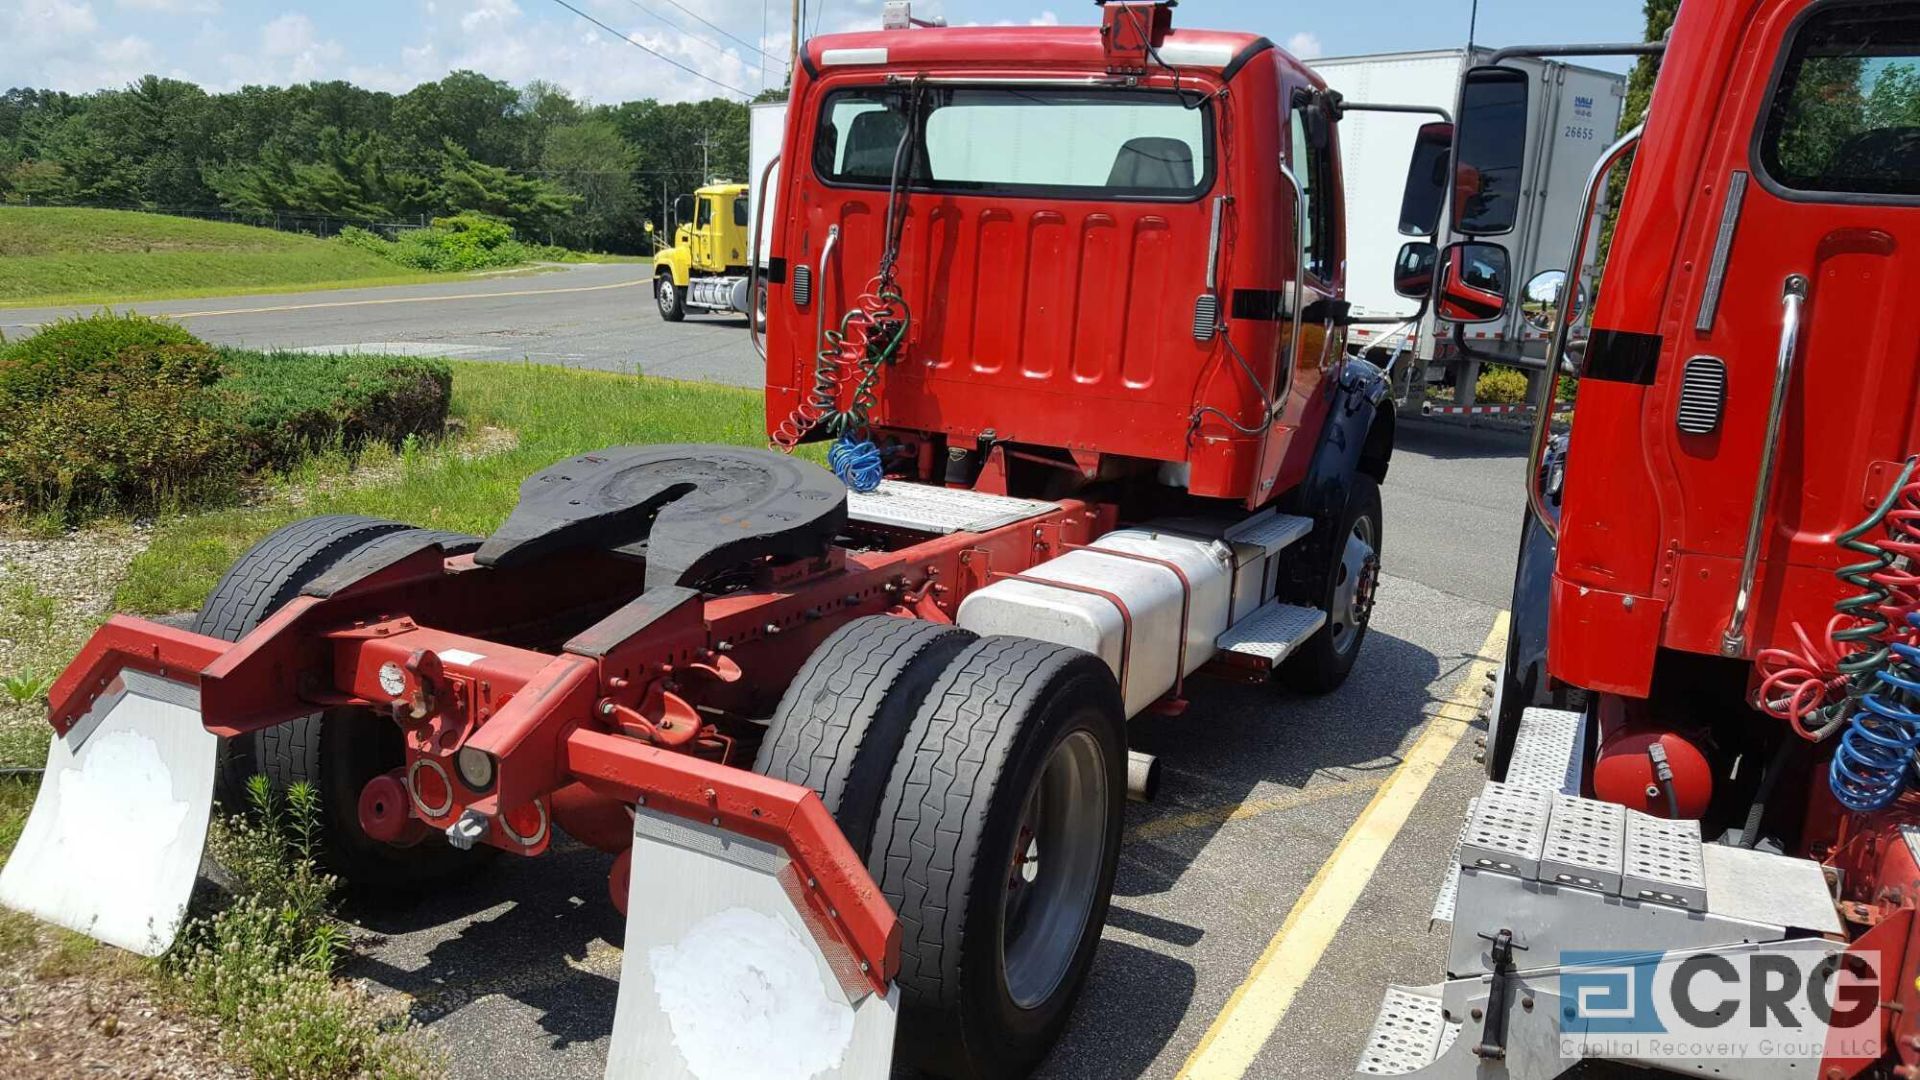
[{"x": 705, "y": 269}]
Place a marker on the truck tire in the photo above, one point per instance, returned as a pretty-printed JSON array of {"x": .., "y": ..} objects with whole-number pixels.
[
  {"x": 996, "y": 845},
  {"x": 840, "y": 724},
  {"x": 1348, "y": 555},
  {"x": 671, "y": 298},
  {"x": 336, "y": 751}
]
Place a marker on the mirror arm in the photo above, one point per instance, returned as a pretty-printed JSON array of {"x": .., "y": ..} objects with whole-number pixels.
[
  {"x": 1345, "y": 107},
  {"x": 1467, "y": 349},
  {"x": 1614, "y": 48}
]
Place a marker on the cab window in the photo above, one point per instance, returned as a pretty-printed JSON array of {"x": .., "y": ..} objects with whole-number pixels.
[
  {"x": 705, "y": 216},
  {"x": 1313, "y": 167},
  {"x": 740, "y": 211},
  {"x": 1844, "y": 119}
]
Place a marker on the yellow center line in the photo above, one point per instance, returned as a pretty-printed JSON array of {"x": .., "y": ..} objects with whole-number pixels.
[
  {"x": 1233, "y": 1041},
  {"x": 409, "y": 300}
]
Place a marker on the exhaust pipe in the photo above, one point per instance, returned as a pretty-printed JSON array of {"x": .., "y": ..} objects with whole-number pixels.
[{"x": 1143, "y": 776}]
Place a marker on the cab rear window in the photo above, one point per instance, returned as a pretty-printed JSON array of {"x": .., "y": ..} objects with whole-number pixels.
[
  {"x": 1019, "y": 140},
  {"x": 1845, "y": 115}
]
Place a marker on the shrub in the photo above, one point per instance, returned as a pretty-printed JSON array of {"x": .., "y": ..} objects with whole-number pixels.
[
  {"x": 136, "y": 429},
  {"x": 1566, "y": 389},
  {"x": 34, "y": 367},
  {"x": 1501, "y": 386},
  {"x": 132, "y": 414},
  {"x": 466, "y": 241},
  {"x": 290, "y": 405}
]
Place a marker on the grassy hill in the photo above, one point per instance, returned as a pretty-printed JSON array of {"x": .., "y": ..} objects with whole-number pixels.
[{"x": 57, "y": 255}]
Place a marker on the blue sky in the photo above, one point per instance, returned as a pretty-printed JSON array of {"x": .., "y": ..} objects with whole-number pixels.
[{"x": 392, "y": 44}]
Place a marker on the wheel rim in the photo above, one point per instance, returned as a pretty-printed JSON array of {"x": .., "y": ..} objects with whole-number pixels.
[
  {"x": 1355, "y": 581},
  {"x": 664, "y": 294},
  {"x": 1054, "y": 869}
]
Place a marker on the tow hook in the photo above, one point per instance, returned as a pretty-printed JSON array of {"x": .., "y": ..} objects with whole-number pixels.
[{"x": 1493, "y": 1032}]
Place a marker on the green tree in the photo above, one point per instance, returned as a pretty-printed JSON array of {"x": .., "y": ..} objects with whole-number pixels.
[
  {"x": 524, "y": 201},
  {"x": 590, "y": 161}
]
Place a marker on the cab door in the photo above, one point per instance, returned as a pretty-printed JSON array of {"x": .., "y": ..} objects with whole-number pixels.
[
  {"x": 705, "y": 234},
  {"x": 1311, "y": 156},
  {"x": 1804, "y": 250}
]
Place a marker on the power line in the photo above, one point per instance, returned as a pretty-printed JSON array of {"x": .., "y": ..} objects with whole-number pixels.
[
  {"x": 719, "y": 31},
  {"x": 678, "y": 29},
  {"x": 654, "y": 53}
]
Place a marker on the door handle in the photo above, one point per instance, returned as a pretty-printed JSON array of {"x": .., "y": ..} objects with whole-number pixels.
[
  {"x": 820, "y": 290},
  {"x": 1793, "y": 299}
]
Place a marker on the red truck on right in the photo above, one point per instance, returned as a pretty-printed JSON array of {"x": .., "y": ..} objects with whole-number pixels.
[{"x": 1698, "y": 847}]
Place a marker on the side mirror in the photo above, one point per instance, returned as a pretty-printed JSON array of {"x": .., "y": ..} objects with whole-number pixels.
[
  {"x": 1315, "y": 118},
  {"x": 1426, "y": 181},
  {"x": 1540, "y": 300},
  {"x": 682, "y": 209},
  {"x": 1491, "y": 151},
  {"x": 1473, "y": 282},
  {"x": 1413, "y": 270}
]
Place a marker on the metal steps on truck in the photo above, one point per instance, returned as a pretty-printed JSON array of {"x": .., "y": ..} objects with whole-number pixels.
[
  {"x": 1410, "y": 1033},
  {"x": 1270, "y": 531},
  {"x": 1546, "y": 757},
  {"x": 942, "y": 510},
  {"x": 1267, "y": 637}
]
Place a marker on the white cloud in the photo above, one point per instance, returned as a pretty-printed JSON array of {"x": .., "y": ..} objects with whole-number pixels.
[
  {"x": 488, "y": 13},
  {"x": 1305, "y": 45},
  {"x": 170, "y": 7},
  {"x": 50, "y": 23}
]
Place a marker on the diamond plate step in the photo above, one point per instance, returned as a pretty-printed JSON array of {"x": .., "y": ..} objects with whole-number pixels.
[
  {"x": 1408, "y": 1035},
  {"x": 1450, "y": 888},
  {"x": 1662, "y": 862},
  {"x": 1547, "y": 751},
  {"x": 1585, "y": 844},
  {"x": 926, "y": 508},
  {"x": 1271, "y": 531},
  {"x": 1508, "y": 830},
  {"x": 1269, "y": 635}
]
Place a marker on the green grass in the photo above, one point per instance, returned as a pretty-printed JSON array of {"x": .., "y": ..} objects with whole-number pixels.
[
  {"x": 55, "y": 256},
  {"x": 554, "y": 412}
]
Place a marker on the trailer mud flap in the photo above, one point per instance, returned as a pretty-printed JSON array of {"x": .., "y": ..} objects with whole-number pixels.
[
  {"x": 114, "y": 842},
  {"x": 727, "y": 975}
]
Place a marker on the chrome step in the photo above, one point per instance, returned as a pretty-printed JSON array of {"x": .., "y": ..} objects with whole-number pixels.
[
  {"x": 1507, "y": 832},
  {"x": 1662, "y": 862},
  {"x": 1270, "y": 531},
  {"x": 1409, "y": 1034},
  {"x": 927, "y": 508},
  {"x": 1585, "y": 845},
  {"x": 1269, "y": 635},
  {"x": 1547, "y": 751}
]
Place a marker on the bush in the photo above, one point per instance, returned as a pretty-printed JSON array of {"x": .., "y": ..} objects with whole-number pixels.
[
  {"x": 133, "y": 414},
  {"x": 466, "y": 241},
  {"x": 34, "y": 367},
  {"x": 294, "y": 404},
  {"x": 1501, "y": 386},
  {"x": 139, "y": 428}
]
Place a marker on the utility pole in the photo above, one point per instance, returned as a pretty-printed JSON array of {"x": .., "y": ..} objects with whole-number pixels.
[
  {"x": 706, "y": 158},
  {"x": 793, "y": 46}
]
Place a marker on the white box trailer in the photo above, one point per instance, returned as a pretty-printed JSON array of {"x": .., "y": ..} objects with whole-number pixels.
[
  {"x": 1573, "y": 115},
  {"x": 766, "y": 127}
]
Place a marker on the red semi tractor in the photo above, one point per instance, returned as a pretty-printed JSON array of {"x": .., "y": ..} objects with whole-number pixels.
[
  {"x": 1699, "y": 847},
  {"x": 1068, "y": 301}
]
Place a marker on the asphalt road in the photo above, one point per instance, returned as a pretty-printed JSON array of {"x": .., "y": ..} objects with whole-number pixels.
[
  {"x": 592, "y": 316},
  {"x": 518, "y": 973}
]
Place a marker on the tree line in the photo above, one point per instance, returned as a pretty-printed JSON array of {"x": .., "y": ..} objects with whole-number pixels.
[{"x": 557, "y": 168}]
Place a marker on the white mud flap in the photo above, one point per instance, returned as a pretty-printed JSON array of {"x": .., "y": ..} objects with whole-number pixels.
[
  {"x": 723, "y": 978},
  {"x": 114, "y": 842}
]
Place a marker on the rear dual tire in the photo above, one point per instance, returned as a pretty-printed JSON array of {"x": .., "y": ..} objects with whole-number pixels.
[
  {"x": 337, "y": 751},
  {"x": 993, "y": 829}
]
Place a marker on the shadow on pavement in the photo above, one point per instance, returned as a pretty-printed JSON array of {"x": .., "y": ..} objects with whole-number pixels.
[{"x": 1236, "y": 738}]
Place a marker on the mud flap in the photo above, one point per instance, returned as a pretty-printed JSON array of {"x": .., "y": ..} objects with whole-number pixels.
[
  {"x": 114, "y": 842},
  {"x": 726, "y": 977}
]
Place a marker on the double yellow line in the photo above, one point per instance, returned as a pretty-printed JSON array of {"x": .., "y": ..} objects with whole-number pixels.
[{"x": 1256, "y": 1009}]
